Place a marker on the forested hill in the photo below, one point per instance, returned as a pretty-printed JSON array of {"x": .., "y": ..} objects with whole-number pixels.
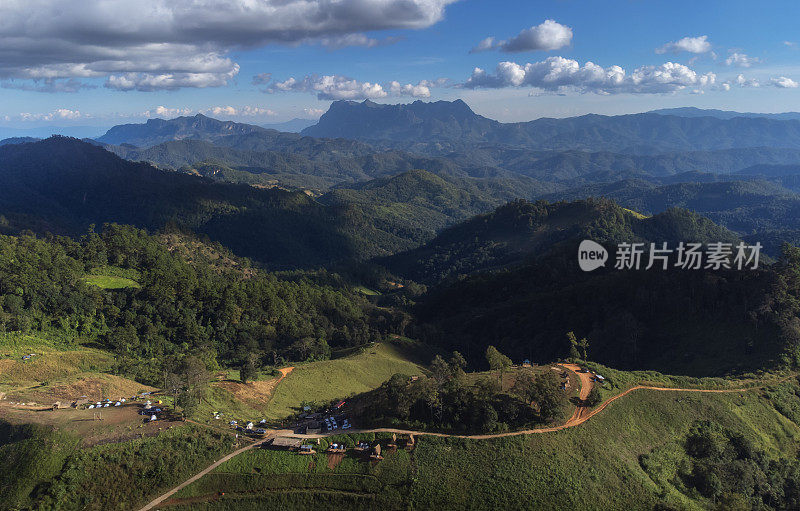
[
  {"x": 171, "y": 307},
  {"x": 521, "y": 230},
  {"x": 749, "y": 205},
  {"x": 63, "y": 185},
  {"x": 521, "y": 290},
  {"x": 637, "y": 133}
]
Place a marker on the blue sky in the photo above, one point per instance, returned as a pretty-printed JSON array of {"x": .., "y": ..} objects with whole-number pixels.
[{"x": 114, "y": 61}]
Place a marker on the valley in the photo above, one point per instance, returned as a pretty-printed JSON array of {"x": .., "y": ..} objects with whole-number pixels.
[{"x": 242, "y": 289}]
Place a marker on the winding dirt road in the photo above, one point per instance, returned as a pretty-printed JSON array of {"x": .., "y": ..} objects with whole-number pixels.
[
  {"x": 158, "y": 500},
  {"x": 582, "y": 414}
]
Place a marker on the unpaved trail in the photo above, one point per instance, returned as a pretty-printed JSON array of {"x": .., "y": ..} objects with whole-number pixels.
[
  {"x": 582, "y": 414},
  {"x": 284, "y": 373},
  {"x": 158, "y": 500}
]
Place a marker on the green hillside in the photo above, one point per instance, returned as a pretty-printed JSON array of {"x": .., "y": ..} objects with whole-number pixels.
[
  {"x": 630, "y": 447},
  {"x": 322, "y": 382}
]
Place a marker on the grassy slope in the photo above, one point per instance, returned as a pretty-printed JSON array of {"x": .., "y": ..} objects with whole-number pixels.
[
  {"x": 53, "y": 360},
  {"x": 110, "y": 282},
  {"x": 575, "y": 468},
  {"x": 593, "y": 466},
  {"x": 320, "y": 382},
  {"x": 43, "y": 469}
]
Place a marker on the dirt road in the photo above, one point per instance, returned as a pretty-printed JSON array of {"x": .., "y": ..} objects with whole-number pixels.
[
  {"x": 158, "y": 500},
  {"x": 582, "y": 414}
]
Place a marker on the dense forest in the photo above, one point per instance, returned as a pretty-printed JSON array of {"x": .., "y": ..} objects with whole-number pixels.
[
  {"x": 178, "y": 308},
  {"x": 530, "y": 290}
]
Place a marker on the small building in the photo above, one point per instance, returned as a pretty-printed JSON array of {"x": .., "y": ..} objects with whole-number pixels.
[
  {"x": 526, "y": 363},
  {"x": 285, "y": 442}
]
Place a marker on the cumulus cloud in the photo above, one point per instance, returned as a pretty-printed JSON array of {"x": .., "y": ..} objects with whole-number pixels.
[
  {"x": 336, "y": 87},
  {"x": 245, "y": 111},
  {"x": 556, "y": 74},
  {"x": 697, "y": 44},
  {"x": 58, "y": 114},
  {"x": 741, "y": 81},
  {"x": 148, "y": 82},
  {"x": 313, "y": 112},
  {"x": 740, "y": 60},
  {"x": 550, "y": 35},
  {"x": 163, "y": 111},
  {"x": 167, "y": 44},
  {"x": 783, "y": 83}
]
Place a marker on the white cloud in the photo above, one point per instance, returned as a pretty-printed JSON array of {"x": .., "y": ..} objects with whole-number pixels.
[
  {"x": 784, "y": 83},
  {"x": 58, "y": 114},
  {"x": 557, "y": 74},
  {"x": 169, "y": 44},
  {"x": 697, "y": 44},
  {"x": 313, "y": 112},
  {"x": 740, "y": 60},
  {"x": 245, "y": 111},
  {"x": 741, "y": 81},
  {"x": 162, "y": 111},
  {"x": 549, "y": 35},
  {"x": 790, "y": 44},
  {"x": 147, "y": 82},
  {"x": 336, "y": 87}
]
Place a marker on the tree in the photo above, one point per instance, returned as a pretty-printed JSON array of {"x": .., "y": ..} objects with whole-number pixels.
[
  {"x": 584, "y": 345},
  {"x": 196, "y": 378},
  {"x": 524, "y": 386},
  {"x": 594, "y": 397},
  {"x": 440, "y": 369},
  {"x": 547, "y": 394},
  {"x": 497, "y": 361},
  {"x": 573, "y": 346},
  {"x": 248, "y": 370},
  {"x": 457, "y": 364}
]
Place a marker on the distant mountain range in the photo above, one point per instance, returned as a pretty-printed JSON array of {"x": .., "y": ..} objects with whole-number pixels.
[
  {"x": 414, "y": 169},
  {"x": 157, "y": 131},
  {"x": 46, "y": 131},
  {"x": 690, "y": 111},
  {"x": 296, "y": 125},
  {"x": 445, "y": 126}
]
